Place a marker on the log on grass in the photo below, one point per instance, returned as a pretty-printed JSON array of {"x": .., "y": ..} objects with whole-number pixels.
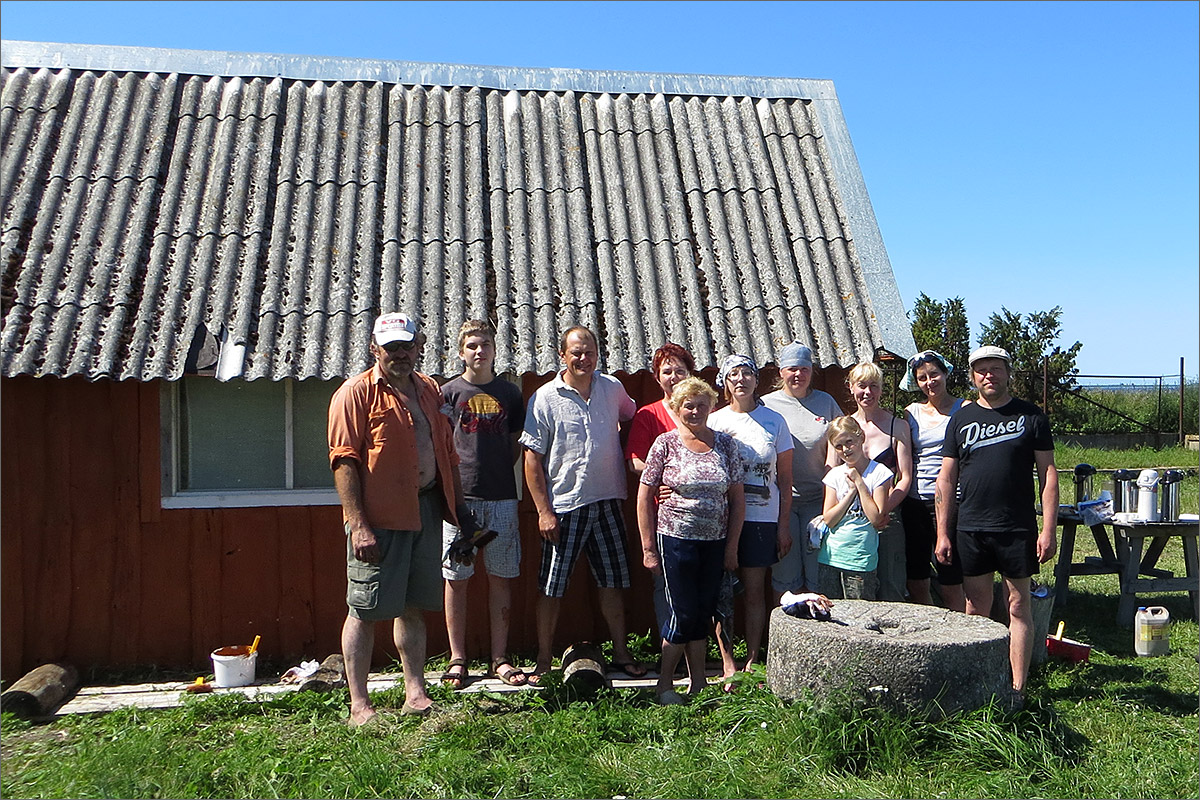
[
  {"x": 329, "y": 676},
  {"x": 583, "y": 668},
  {"x": 41, "y": 691}
]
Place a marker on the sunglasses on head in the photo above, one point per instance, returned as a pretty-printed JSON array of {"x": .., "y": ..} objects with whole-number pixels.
[
  {"x": 392, "y": 347},
  {"x": 926, "y": 357}
]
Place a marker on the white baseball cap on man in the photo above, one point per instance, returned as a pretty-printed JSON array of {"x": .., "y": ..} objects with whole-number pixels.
[
  {"x": 395, "y": 327},
  {"x": 990, "y": 351}
]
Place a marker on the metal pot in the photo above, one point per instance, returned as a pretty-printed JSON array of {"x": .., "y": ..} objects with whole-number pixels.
[
  {"x": 1169, "y": 495},
  {"x": 1083, "y": 482},
  {"x": 1125, "y": 490}
]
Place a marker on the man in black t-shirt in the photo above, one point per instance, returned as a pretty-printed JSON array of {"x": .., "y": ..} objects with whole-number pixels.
[{"x": 991, "y": 449}]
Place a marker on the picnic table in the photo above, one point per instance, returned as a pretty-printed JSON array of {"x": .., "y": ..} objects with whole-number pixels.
[
  {"x": 1124, "y": 553},
  {"x": 1131, "y": 539},
  {"x": 1107, "y": 563}
]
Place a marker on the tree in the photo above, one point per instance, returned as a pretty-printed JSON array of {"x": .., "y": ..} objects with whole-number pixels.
[
  {"x": 1031, "y": 341},
  {"x": 944, "y": 327}
]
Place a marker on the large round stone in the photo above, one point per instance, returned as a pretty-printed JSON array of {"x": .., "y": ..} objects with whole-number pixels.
[{"x": 911, "y": 658}]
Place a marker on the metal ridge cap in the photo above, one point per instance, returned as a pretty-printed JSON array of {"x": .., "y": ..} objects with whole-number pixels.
[{"x": 124, "y": 58}]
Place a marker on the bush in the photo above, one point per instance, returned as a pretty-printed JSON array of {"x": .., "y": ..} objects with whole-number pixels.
[{"x": 1088, "y": 410}]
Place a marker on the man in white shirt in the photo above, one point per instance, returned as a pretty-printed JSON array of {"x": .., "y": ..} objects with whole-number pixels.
[{"x": 575, "y": 472}]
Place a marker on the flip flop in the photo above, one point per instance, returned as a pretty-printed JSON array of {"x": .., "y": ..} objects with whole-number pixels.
[
  {"x": 412, "y": 711},
  {"x": 455, "y": 679},
  {"x": 513, "y": 677},
  {"x": 534, "y": 678},
  {"x": 631, "y": 668}
]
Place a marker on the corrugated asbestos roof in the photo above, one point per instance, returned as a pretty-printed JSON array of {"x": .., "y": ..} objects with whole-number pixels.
[{"x": 280, "y": 203}]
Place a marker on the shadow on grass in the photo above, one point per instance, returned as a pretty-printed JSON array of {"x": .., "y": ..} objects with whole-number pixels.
[
  {"x": 1091, "y": 617},
  {"x": 1124, "y": 683}
]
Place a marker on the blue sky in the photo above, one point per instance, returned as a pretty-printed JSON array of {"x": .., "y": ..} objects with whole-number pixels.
[{"x": 1023, "y": 155}]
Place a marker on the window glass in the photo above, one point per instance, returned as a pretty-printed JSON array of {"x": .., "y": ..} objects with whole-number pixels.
[
  {"x": 232, "y": 435},
  {"x": 310, "y": 413}
]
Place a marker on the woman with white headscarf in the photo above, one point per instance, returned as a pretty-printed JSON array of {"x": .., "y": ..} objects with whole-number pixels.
[{"x": 765, "y": 443}]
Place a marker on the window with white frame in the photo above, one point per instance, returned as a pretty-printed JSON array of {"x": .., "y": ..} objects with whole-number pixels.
[{"x": 246, "y": 443}]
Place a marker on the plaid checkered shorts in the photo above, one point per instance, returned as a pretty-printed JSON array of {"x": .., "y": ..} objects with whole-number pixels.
[{"x": 596, "y": 529}]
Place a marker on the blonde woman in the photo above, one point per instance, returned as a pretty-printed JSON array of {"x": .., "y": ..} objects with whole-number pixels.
[
  {"x": 691, "y": 536},
  {"x": 887, "y": 442}
]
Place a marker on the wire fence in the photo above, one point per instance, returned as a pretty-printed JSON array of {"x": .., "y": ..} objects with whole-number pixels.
[{"x": 1163, "y": 407}]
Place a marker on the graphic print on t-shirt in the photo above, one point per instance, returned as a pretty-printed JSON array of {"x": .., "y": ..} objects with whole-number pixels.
[
  {"x": 481, "y": 413},
  {"x": 976, "y": 436}
]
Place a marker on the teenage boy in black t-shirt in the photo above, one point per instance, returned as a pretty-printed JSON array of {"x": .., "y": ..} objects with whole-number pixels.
[
  {"x": 487, "y": 414},
  {"x": 991, "y": 449}
]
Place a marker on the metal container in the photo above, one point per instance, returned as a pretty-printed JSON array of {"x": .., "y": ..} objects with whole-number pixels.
[
  {"x": 1125, "y": 490},
  {"x": 1169, "y": 495},
  {"x": 1084, "y": 474}
]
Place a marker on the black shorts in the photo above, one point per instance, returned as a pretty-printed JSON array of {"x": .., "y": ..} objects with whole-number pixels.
[
  {"x": 1011, "y": 553},
  {"x": 920, "y": 539},
  {"x": 759, "y": 544}
]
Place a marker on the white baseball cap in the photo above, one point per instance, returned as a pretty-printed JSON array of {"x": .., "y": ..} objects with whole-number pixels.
[
  {"x": 990, "y": 351},
  {"x": 394, "y": 328}
]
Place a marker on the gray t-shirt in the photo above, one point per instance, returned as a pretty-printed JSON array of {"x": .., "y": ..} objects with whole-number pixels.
[{"x": 807, "y": 420}]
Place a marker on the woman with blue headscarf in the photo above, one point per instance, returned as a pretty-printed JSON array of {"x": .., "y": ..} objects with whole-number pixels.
[
  {"x": 927, "y": 419},
  {"x": 765, "y": 443}
]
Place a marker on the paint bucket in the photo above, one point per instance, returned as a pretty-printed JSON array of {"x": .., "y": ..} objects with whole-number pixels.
[
  {"x": 1068, "y": 649},
  {"x": 1150, "y": 635},
  {"x": 233, "y": 666}
]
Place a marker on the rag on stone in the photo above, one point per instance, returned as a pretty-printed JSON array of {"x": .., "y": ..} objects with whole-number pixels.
[{"x": 911, "y": 658}]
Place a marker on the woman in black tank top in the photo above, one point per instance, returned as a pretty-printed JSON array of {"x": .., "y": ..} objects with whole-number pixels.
[{"x": 889, "y": 444}]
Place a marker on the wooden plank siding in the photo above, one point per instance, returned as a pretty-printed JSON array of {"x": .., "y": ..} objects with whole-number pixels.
[{"x": 94, "y": 571}]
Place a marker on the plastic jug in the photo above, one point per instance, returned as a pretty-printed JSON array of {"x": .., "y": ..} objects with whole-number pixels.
[
  {"x": 1147, "y": 482},
  {"x": 1150, "y": 634}
]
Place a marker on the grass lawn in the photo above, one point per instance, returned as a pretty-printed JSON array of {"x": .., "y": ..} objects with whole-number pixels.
[{"x": 1117, "y": 726}]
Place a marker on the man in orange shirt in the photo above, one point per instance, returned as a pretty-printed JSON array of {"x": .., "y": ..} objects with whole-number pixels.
[{"x": 396, "y": 472}]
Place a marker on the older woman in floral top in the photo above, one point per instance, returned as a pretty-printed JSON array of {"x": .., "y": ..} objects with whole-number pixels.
[{"x": 692, "y": 535}]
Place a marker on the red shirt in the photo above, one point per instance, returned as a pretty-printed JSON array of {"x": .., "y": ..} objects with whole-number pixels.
[
  {"x": 370, "y": 423},
  {"x": 648, "y": 424}
]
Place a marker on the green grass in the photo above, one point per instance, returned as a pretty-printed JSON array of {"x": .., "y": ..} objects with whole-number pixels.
[
  {"x": 1117, "y": 726},
  {"x": 1140, "y": 458}
]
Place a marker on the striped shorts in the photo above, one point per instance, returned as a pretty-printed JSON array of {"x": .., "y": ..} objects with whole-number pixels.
[{"x": 597, "y": 529}]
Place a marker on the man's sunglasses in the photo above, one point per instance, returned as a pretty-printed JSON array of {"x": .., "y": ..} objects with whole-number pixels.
[{"x": 392, "y": 347}]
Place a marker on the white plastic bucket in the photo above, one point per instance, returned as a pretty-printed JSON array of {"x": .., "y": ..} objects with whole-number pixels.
[
  {"x": 233, "y": 666},
  {"x": 1150, "y": 634}
]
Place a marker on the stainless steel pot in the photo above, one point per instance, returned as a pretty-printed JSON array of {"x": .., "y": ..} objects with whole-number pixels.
[
  {"x": 1125, "y": 490},
  {"x": 1084, "y": 474},
  {"x": 1168, "y": 495}
]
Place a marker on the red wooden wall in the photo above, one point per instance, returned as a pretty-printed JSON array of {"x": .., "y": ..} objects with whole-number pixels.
[{"x": 94, "y": 571}]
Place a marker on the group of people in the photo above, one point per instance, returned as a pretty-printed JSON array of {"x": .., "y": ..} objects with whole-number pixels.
[{"x": 734, "y": 490}]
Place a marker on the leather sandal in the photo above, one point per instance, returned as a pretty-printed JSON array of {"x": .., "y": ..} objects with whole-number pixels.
[
  {"x": 455, "y": 679},
  {"x": 514, "y": 676}
]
